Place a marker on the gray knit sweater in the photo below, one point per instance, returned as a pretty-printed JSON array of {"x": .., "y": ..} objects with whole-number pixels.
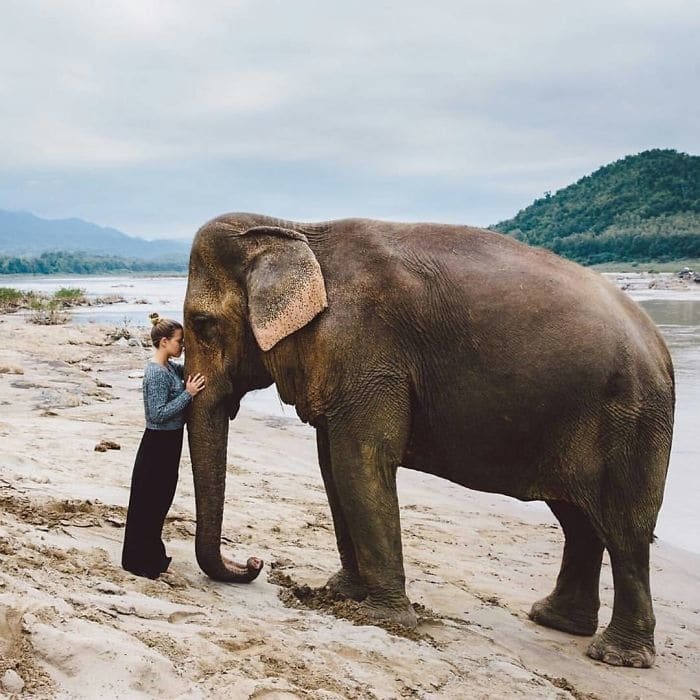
[{"x": 164, "y": 396}]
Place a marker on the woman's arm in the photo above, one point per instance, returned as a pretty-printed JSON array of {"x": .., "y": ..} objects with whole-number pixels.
[{"x": 157, "y": 388}]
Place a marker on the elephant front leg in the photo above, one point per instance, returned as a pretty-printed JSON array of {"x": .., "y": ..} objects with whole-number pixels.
[
  {"x": 346, "y": 582},
  {"x": 364, "y": 474}
]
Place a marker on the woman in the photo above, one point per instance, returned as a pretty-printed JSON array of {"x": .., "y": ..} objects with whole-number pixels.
[{"x": 166, "y": 395}]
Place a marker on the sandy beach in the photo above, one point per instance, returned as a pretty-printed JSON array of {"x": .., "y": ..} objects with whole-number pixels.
[{"x": 73, "y": 624}]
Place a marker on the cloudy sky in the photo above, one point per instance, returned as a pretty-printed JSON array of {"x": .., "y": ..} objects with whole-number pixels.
[{"x": 153, "y": 116}]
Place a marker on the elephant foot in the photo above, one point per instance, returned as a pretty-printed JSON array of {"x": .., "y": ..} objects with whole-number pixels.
[
  {"x": 243, "y": 573},
  {"x": 611, "y": 650},
  {"x": 345, "y": 584},
  {"x": 549, "y": 612},
  {"x": 403, "y": 615}
]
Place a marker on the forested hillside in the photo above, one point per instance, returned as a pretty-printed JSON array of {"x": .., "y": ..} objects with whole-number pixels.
[
  {"x": 643, "y": 207},
  {"x": 62, "y": 263}
]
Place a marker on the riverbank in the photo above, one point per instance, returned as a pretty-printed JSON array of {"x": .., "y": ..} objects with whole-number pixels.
[
  {"x": 644, "y": 281},
  {"x": 73, "y": 624}
]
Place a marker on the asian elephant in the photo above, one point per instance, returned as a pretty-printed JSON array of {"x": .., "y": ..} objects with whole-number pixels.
[{"x": 450, "y": 350}]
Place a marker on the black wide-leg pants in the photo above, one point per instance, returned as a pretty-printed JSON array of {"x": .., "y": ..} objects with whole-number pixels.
[{"x": 153, "y": 485}]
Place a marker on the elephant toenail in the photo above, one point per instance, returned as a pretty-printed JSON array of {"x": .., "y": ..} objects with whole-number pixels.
[{"x": 613, "y": 658}]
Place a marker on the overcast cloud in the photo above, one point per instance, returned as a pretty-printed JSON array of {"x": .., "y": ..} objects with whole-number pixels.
[{"x": 153, "y": 117}]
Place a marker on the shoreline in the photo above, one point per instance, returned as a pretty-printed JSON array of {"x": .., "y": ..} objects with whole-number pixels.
[
  {"x": 639, "y": 281},
  {"x": 73, "y": 624}
]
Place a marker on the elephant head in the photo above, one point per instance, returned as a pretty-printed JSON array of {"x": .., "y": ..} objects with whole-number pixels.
[{"x": 249, "y": 287}]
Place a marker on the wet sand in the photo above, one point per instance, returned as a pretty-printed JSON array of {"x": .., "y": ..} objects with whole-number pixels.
[{"x": 73, "y": 624}]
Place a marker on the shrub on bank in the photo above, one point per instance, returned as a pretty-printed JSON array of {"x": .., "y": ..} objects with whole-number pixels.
[
  {"x": 46, "y": 310},
  {"x": 14, "y": 299},
  {"x": 70, "y": 296}
]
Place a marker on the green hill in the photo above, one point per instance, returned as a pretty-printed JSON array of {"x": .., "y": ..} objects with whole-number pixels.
[
  {"x": 644, "y": 207},
  {"x": 67, "y": 263}
]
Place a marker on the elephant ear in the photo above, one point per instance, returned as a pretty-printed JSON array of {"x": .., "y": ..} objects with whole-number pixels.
[{"x": 285, "y": 285}]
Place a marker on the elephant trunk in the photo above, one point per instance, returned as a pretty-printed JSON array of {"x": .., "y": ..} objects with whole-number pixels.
[{"x": 207, "y": 435}]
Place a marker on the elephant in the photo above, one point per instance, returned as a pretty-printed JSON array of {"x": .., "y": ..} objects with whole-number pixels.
[{"x": 451, "y": 350}]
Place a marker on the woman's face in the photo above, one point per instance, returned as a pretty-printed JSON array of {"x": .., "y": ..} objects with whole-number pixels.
[{"x": 174, "y": 344}]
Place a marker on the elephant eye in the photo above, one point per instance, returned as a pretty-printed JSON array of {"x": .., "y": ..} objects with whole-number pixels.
[{"x": 204, "y": 326}]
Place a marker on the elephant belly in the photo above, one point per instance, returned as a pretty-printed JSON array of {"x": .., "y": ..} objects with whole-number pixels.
[
  {"x": 482, "y": 469},
  {"x": 509, "y": 450}
]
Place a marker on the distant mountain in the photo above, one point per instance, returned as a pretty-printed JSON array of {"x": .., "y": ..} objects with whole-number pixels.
[
  {"x": 26, "y": 235},
  {"x": 643, "y": 207}
]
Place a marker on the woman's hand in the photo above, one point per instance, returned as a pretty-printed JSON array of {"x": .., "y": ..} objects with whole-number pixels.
[{"x": 195, "y": 384}]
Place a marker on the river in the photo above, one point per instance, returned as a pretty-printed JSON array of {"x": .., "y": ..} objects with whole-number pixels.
[{"x": 677, "y": 313}]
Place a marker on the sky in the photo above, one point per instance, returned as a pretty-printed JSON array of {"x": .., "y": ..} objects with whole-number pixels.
[{"x": 154, "y": 116}]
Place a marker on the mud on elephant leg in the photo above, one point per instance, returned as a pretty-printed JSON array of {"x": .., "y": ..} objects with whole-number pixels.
[
  {"x": 573, "y": 604},
  {"x": 629, "y": 638},
  {"x": 364, "y": 472},
  {"x": 346, "y": 582}
]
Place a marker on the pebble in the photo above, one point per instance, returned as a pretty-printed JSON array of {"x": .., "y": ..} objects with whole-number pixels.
[
  {"x": 12, "y": 682},
  {"x": 105, "y": 445},
  {"x": 28, "y": 621},
  {"x": 109, "y": 588}
]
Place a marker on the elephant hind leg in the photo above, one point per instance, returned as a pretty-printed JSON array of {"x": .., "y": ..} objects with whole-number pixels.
[
  {"x": 631, "y": 499},
  {"x": 573, "y": 604},
  {"x": 629, "y": 638}
]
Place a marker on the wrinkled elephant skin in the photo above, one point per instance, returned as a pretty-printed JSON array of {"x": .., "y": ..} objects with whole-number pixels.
[{"x": 450, "y": 350}]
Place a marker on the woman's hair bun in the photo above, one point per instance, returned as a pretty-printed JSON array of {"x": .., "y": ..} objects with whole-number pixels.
[{"x": 162, "y": 328}]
